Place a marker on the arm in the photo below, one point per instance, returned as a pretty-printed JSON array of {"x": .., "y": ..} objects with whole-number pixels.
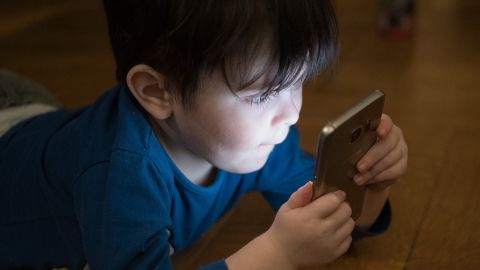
[{"x": 122, "y": 218}]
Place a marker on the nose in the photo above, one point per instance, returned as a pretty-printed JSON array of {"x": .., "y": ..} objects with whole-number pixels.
[{"x": 289, "y": 108}]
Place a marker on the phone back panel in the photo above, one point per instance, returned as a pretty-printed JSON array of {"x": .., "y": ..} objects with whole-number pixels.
[{"x": 342, "y": 143}]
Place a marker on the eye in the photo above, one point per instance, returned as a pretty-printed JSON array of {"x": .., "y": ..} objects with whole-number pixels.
[{"x": 261, "y": 98}]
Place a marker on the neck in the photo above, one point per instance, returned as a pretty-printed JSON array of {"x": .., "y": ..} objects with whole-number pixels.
[{"x": 197, "y": 170}]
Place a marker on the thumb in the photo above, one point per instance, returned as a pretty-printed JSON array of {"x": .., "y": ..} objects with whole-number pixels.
[{"x": 301, "y": 197}]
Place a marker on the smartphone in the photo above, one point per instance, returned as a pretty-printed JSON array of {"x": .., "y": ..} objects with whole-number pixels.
[{"x": 341, "y": 144}]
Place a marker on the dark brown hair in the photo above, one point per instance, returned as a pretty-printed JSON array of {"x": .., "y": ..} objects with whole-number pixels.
[{"x": 188, "y": 39}]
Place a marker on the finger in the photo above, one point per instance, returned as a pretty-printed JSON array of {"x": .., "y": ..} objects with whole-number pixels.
[
  {"x": 301, "y": 197},
  {"x": 379, "y": 150},
  {"x": 341, "y": 215},
  {"x": 385, "y": 126},
  {"x": 345, "y": 229},
  {"x": 326, "y": 204},
  {"x": 394, "y": 172},
  {"x": 344, "y": 246},
  {"x": 393, "y": 157}
]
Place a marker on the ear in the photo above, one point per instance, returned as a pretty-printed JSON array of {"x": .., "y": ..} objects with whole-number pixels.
[{"x": 151, "y": 89}]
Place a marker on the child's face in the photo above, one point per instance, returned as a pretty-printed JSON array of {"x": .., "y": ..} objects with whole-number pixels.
[{"x": 235, "y": 133}]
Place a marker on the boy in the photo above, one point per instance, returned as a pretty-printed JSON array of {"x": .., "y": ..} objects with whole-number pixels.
[{"x": 208, "y": 96}]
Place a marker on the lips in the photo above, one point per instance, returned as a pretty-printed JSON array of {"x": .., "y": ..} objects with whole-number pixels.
[{"x": 277, "y": 140}]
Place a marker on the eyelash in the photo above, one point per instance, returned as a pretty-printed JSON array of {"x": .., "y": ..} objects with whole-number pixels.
[{"x": 262, "y": 98}]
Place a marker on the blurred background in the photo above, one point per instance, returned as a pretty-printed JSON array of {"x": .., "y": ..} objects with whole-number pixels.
[{"x": 428, "y": 65}]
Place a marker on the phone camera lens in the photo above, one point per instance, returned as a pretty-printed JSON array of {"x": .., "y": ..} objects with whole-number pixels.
[{"x": 356, "y": 133}]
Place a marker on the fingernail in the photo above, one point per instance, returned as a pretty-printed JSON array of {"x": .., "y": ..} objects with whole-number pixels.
[
  {"x": 306, "y": 184},
  {"x": 341, "y": 194},
  {"x": 358, "y": 179},
  {"x": 362, "y": 166}
]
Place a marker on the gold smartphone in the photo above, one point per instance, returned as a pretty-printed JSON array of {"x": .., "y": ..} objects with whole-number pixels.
[{"x": 341, "y": 144}]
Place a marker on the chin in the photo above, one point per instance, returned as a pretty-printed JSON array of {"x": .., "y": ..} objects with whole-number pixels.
[
  {"x": 245, "y": 170},
  {"x": 246, "y": 167},
  {"x": 246, "y": 162}
]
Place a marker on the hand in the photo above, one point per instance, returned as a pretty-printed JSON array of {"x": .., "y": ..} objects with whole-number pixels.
[
  {"x": 386, "y": 161},
  {"x": 307, "y": 233}
]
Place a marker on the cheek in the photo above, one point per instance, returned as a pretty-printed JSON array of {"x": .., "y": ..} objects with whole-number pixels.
[
  {"x": 229, "y": 139},
  {"x": 234, "y": 127},
  {"x": 238, "y": 133},
  {"x": 224, "y": 129}
]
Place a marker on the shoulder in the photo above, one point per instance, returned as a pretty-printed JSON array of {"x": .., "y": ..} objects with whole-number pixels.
[
  {"x": 126, "y": 179},
  {"x": 124, "y": 152}
]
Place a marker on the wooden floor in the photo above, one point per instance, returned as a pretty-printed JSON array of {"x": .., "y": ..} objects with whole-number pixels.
[{"x": 432, "y": 82}]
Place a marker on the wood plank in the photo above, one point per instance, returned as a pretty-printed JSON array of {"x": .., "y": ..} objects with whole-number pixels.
[
  {"x": 449, "y": 236},
  {"x": 14, "y": 19},
  {"x": 67, "y": 51}
]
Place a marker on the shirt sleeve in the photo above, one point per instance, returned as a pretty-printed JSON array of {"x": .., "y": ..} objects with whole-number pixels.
[{"x": 122, "y": 208}]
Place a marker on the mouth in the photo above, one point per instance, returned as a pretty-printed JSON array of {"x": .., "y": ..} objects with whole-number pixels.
[
  {"x": 267, "y": 145},
  {"x": 275, "y": 141},
  {"x": 278, "y": 141}
]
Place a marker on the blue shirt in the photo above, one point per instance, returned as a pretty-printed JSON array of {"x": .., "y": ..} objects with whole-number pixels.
[{"x": 95, "y": 185}]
